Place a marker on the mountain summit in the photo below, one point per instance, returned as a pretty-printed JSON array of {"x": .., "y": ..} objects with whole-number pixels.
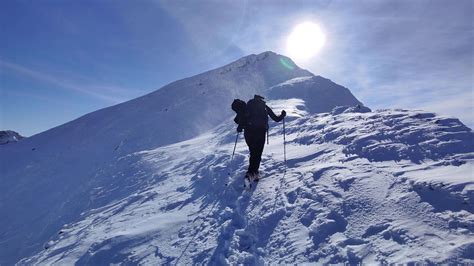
[
  {"x": 192, "y": 106},
  {"x": 150, "y": 180}
]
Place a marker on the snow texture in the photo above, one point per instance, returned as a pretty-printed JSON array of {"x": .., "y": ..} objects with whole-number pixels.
[{"x": 358, "y": 186}]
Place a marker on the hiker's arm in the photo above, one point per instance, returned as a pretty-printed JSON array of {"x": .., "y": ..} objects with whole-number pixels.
[
  {"x": 274, "y": 116},
  {"x": 240, "y": 120}
]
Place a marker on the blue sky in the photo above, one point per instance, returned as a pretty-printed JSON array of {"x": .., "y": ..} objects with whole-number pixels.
[{"x": 62, "y": 59}]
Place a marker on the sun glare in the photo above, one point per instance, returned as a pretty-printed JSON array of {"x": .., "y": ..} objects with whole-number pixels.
[{"x": 305, "y": 41}]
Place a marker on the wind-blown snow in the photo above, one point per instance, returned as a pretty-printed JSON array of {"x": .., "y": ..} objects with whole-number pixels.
[
  {"x": 328, "y": 205},
  {"x": 61, "y": 166},
  {"x": 148, "y": 181}
]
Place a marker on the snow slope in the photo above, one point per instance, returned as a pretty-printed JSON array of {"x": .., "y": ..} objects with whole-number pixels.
[
  {"x": 385, "y": 186},
  {"x": 50, "y": 178},
  {"x": 320, "y": 94},
  {"x": 150, "y": 180}
]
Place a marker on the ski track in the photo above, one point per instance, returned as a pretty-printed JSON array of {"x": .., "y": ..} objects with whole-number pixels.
[{"x": 331, "y": 204}]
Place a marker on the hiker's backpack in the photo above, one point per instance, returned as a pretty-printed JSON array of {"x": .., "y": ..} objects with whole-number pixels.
[
  {"x": 239, "y": 107},
  {"x": 257, "y": 116}
]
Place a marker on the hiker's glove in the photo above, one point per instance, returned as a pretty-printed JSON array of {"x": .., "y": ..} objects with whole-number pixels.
[
  {"x": 283, "y": 113},
  {"x": 239, "y": 129}
]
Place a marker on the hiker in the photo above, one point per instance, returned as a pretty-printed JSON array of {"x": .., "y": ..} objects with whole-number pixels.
[{"x": 253, "y": 119}]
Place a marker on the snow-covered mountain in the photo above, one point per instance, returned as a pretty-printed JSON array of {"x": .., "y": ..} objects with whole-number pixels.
[
  {"x": 66, "y": 162},
  {"x": 321, "y": 95},
  {"x": 9, "y": 136},
  {"x": 151, "y": 180}
]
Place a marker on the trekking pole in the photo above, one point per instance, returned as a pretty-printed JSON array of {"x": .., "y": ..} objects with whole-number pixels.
[
  {"x": 233, "y": 152},
  {"x": 267, "y": 137},
  {"x": 284, "y": 142}
]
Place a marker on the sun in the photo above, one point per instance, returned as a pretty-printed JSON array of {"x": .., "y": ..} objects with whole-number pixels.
[{"x": 305, "y": 41}]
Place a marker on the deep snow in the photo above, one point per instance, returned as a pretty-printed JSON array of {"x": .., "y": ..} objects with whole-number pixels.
[
  {"x": 332, "y": 203},
  {"x": 150, "y": 181}
]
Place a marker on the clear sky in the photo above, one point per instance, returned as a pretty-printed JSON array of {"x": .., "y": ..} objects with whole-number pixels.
[{"x": 62, "y": 59}]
